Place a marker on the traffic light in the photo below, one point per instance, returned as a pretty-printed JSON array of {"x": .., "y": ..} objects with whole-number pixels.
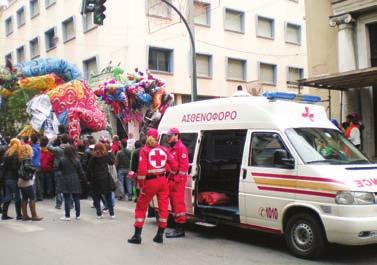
[
  {"x": 87, "y": 6},
  {"x": 99, "y": 12}
]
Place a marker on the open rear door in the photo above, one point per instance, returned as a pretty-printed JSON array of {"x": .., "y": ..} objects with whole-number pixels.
[{"x": 192, "y": 142}]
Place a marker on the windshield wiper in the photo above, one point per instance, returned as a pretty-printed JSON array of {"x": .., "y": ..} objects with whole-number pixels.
[
  {"x": 360, "y": 161},
  {"x": 324, "y": 161}
]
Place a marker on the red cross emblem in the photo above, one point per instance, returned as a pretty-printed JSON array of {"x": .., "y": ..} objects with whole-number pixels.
[
  {"x": 157, "y": 158},
  {"x": 307, "y": 114}
]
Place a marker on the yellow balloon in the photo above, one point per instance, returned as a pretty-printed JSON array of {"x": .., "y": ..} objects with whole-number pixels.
[{"x": 5, "y": 92}]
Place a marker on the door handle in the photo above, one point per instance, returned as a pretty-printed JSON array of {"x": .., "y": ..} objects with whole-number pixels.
[{"x": 244, "y": 173}]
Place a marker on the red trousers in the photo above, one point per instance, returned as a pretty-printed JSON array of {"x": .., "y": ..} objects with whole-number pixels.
[
  {"x": 160, "y": 187},
  {"x": 177, "y": 187}
]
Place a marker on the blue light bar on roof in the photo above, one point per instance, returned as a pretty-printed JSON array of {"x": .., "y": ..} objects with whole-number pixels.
[{"x": 292, "y": 96}]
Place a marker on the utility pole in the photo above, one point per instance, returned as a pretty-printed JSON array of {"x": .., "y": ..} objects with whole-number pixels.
[{"x": 189, "y": 26}]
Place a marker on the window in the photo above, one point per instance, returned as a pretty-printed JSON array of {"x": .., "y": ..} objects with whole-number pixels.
[
  {"x": 267, "y": 73},
  {"x": 34, "y": 8},
  {"x": 158, "y": 9},
  {"x": 88, "y": 22},
  {"x": 293, "y": 33},
  {"x": 8, "y": 26},
  {"x": 49, "y": 3},
  {"x": 295, "y": 74},
  {"x": 21, "y": 17},
  {"x": 90, "y": 67},
  {"x": 265, "y": 27},
  {"x": 34, "y": 48},
  {"x": 324, "y": 146},
  {"x": 51, "y": 39},
  {"x": 234, "y": 20},
  {"x": 160, "y": 60},
  {"x": 236, "y": 69},
  {"x": 69, "y": 32},
  {"x": 202, "y": 13},
  {"x": 264, "y": 149},
  {"x": 204, "y": 65},
  {"x": 20, "y": 54},
  {"x": 8, "y": 57},
  {"x": 188, "y": 139}
]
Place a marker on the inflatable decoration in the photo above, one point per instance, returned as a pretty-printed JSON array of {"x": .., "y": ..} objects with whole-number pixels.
[
  {"x": 63, "y": 99},
  {"x": 44, "y": 66},
  {"x": 129, "y": 94}
]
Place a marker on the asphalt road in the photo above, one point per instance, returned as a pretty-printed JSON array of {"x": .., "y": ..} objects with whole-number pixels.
[{"x": 100, "y": 242}]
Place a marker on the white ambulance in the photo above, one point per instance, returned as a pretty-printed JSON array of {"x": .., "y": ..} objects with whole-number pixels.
[{"x": 283, "y": 165}]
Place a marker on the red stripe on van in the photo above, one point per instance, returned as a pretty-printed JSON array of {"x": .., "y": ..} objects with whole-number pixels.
[
  {"x": 282, "y": 176},
  {"x": 306, "y": 192},
  {"x": 261, "y": 228}
]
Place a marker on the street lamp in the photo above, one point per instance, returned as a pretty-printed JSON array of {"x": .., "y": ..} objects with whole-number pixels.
[{"x": 194, "y": 76}]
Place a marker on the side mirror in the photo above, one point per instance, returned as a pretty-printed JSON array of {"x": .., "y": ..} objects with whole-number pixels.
[{"x": 281, "y": 159}]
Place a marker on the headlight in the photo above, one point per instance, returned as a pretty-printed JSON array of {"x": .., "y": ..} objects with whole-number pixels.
[{"x": 355, "y": 197}]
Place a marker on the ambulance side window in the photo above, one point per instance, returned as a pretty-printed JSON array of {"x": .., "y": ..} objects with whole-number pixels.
[
  {"x": 263, "y": 149},
  {"x": 188, "y": 139}
]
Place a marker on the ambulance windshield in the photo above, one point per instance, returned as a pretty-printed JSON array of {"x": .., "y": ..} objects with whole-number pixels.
[{"x": 324, "y": 146}]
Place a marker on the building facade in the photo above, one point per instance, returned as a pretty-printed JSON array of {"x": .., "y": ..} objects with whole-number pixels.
[
  {"x": 322, "y": 51},
  {"x": 356, "y": 25},
  {"x": 252, "y": 43}
]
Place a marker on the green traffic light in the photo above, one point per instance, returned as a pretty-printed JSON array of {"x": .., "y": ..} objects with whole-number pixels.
[
  {"x": 99, "y": 10},
  {"x": 98, "y": 19}
]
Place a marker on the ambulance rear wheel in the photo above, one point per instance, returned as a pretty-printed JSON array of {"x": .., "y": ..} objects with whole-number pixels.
[{"x": 305, "y": 236}]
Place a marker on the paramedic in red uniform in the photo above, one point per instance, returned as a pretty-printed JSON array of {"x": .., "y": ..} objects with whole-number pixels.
[
  {"x": 153, "y": 162},
  {"x": 177, "y": 182}
]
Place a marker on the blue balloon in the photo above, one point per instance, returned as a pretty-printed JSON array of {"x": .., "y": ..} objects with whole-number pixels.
[{"x": 44, "y": 66}]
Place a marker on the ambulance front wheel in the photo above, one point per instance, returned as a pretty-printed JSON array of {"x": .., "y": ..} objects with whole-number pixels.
[{"x": 305, "y": 236}]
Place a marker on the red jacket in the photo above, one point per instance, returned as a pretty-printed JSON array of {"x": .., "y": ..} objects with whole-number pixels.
[
  {"x": 154, "y": 161},
  {"x": 47, "y": 160},
  {"x": 180, "y": 154},
  {"x": 115, "y": 147}
]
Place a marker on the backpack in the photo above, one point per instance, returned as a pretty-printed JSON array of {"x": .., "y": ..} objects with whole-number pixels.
[{"x": 26, "y": 170}]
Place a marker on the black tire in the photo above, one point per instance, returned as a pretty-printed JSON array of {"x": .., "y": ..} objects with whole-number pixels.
[{"x": 305, "y": 237}]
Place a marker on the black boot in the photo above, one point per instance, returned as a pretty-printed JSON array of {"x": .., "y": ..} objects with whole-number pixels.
[
  {"x": 178, "y": 231},
  {"x": 17, "y": 206},
  {"x": 4, "y": 215},
  {"x": 136, "y": 238},
  {"x": 159, "y": 237}
]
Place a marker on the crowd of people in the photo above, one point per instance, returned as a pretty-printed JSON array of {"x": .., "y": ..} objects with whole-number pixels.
[{"x": 37, "y": 168}]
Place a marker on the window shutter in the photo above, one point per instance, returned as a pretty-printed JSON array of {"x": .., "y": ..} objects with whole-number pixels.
[
  {"x": 293, "y": 34},
  {"x": 235, "y": 69},
  {"x": 201, "y": 14},
  {"x": 233, "y": 20},
  {"x": 265, "y": 27},
  {"x": 267, "y": 73},
  {"x": 69, "y": 29},
  {"x": 294, "y": 74},
  {"x": 202, "y": 65}
]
